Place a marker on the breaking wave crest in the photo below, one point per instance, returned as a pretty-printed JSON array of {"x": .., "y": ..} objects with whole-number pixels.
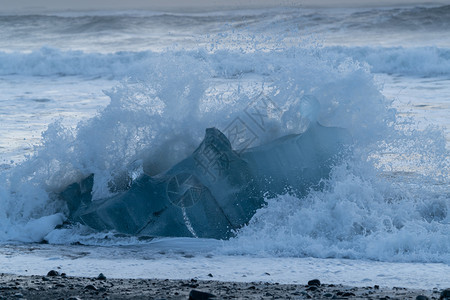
[
  {"x": 388, "y": 202},
  {"x": 419, "y": 61}
]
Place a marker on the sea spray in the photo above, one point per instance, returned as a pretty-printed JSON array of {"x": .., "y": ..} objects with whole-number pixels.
[
  {"x": 367, "y": 209},
  {"x": 355, "y": 216}
]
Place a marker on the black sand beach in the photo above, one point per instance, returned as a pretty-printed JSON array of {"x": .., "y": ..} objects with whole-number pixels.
[{"x": 61, "y": 286}]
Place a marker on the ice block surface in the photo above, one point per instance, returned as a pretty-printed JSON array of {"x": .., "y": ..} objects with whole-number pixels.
[{"x": 214, "y": 191}]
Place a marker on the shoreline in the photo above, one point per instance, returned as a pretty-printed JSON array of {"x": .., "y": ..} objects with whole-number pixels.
[
  {"x": 60, "y": 286},
  {"x": 177, "y": 259}
]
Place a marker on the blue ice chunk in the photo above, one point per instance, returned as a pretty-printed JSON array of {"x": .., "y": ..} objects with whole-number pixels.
[
  {"x": 214, "y": 191},
  {"x": 297, "y": 162}
]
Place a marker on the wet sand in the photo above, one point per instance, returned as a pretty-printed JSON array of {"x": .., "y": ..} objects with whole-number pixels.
[{"x": 60, "y": 286}]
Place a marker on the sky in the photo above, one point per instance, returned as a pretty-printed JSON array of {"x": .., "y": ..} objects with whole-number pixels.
[{"x": 26, "y": 6}]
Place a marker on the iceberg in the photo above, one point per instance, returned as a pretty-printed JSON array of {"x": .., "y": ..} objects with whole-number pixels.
[{"x": 214, "y": 191}]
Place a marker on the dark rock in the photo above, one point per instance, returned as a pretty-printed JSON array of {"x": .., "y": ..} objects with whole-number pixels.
[
  {"x": 328, "y": 295},
  {"x": 377, "y": 287},
  {"x": 422, "y": 297},
  {"x": 210, "y": 275},
  {"x": 198, "y": 295},
  {"x": 445, "y": 295},
  {"x": 315, "y": 282},
  {"x": 76, "y": 244},
  {"x": 101, "y": 277},
  {"x": 348, "y": 294},
  {"x": 45, "y": 279},
  {"x": 18, "y": 295},
  {"x": 74, "y": 298},
  {"x": 52, "y": 273},
  {"x": 312, "y": 288}
]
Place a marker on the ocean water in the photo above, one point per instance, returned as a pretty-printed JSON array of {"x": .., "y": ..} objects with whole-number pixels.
[{"x": 114, "y": 93}]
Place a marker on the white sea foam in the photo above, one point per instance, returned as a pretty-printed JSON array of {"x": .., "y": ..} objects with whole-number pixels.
[
  {"x": 411, "y": 61},
  {"x": 190, "y": 258},
  {"x": 353, "y": 217}
]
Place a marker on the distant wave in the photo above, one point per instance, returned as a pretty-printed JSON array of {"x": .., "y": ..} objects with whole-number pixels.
[
  {"x": 54, "y": 62},
  {"x": 420, "y": 61},
  {"x": 387, "y": 18},
  {"x": 409, "y": 19}
]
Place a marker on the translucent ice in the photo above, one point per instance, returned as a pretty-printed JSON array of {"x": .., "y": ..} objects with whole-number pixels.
[{"x": 214, "y": 191}]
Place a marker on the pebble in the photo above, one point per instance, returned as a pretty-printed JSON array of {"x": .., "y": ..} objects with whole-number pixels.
[
  {"x": 445, "y": 295},
  {"x": 422, "y": 297},
  {"x": 52, "y": 273},
  {"x": 315, "y": 282},
  {"x": 101, "y": 277},
  {"x": 306, "y": 295},
  {"x": 90, "y": 287},
  {"x": 312, "y": 288}
]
